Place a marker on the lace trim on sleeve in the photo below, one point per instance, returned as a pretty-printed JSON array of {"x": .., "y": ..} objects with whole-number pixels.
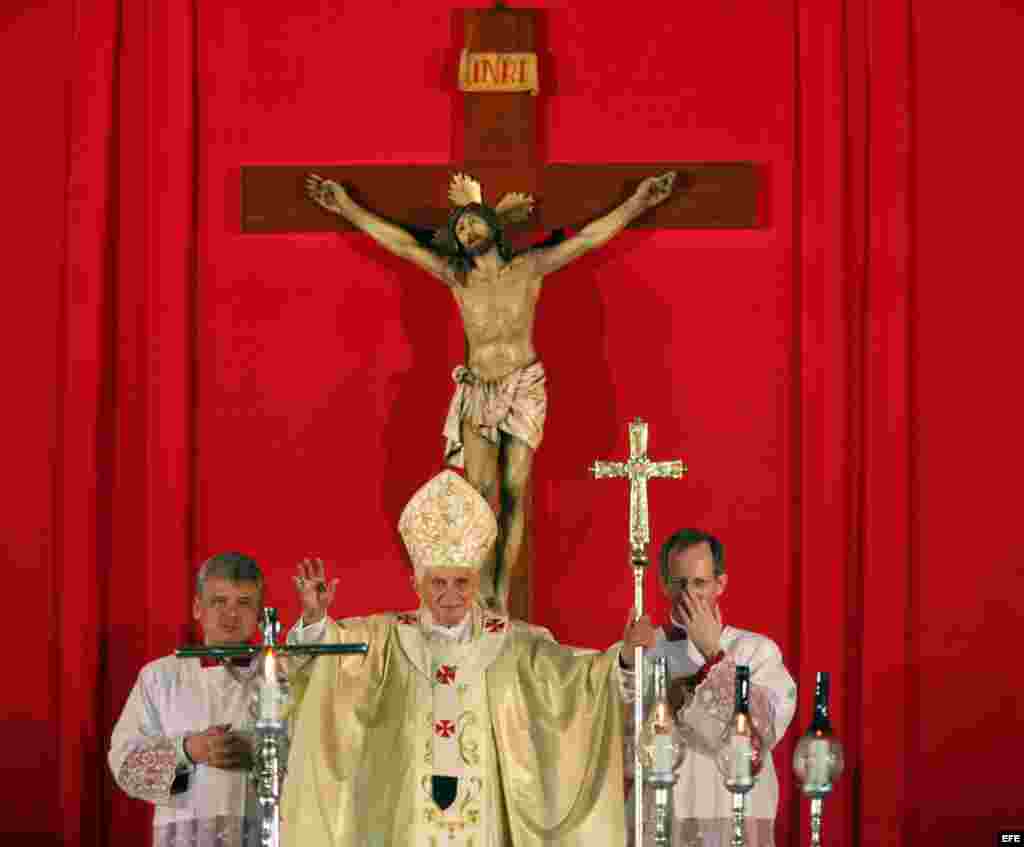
[
  {"x": 716, "y": 695},
  {"x": 762, "y": 712},
  {"x": 149, "y": 770}
]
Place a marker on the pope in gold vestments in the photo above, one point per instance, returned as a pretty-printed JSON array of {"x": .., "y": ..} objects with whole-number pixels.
[{"x": 482, "y": 732}]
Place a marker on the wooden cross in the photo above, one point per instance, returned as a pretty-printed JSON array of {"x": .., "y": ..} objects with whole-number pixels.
[{"x": 500, "y": 151}]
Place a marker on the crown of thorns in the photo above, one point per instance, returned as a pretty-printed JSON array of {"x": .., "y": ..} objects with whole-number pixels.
[{"x": 467, "y": 197}]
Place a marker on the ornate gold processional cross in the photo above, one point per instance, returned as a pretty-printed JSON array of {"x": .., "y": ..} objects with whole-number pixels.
[{"x": 638, "y": 470}]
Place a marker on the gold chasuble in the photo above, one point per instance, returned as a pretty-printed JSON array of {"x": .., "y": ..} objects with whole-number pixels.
[{"x": 524, "y": 735}]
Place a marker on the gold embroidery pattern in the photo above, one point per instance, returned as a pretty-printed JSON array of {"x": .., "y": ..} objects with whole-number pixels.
[
  {"x": 428, "y": 744},
  {"x": 474, "y": 787},
  {"x": 469, "y": 743},
  {"x": 460, "y": 815},
  {"x": 446, "y": 523}
]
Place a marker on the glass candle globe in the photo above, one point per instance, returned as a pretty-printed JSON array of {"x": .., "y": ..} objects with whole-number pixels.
[
  {"x": 662, "y": 748},
  {"x": 740, "y": 755},
  {"x": 661, "y": 743},
  {"x": 271, "y": 695},
  {"x": 817, "y": 763}
]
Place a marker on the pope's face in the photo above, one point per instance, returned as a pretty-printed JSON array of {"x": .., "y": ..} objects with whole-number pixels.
[
  {"x": 228, "y": 611},
  {"x": 693, "y": 570},
  {"x": 449, "y": 593},
  {"x": 472, "y": 230}
]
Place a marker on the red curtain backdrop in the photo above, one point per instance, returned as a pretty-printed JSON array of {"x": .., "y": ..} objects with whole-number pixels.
[{"x": 840, "y": 381}]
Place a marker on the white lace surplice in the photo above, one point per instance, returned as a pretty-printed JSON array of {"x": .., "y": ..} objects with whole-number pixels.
[
  {"x": 196, "y": 806},
  {"x": 702, "y": 805}
]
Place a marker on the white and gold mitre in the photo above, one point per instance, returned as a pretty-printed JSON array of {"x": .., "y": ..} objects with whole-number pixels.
[{"x": 447, "y": 524}]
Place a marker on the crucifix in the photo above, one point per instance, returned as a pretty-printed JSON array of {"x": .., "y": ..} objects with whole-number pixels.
[
  {"x": 499, "y": 142},
  {"x": 638, "y": 470}
]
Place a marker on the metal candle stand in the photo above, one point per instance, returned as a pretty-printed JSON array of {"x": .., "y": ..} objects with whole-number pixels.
[
  {"x": 270, "y": 737},
  {"x": 739, "y": 825},
  {"x": 663, "y": 785},
  {"x": 818, "y": 790},
  {"x": 268, "y": 772},
  {"x": 740, "y": 756},
  {"x": 663, "y": 749},
  {"x": 818, "y": 757}
]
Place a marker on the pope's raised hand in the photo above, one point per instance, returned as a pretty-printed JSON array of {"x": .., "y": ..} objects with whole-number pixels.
[{"x": 315, "y": 593}]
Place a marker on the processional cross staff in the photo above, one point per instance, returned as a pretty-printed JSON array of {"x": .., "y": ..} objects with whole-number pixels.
[
  {"x": 638, "y": 470},
  {"x": 270, "y": 736}
]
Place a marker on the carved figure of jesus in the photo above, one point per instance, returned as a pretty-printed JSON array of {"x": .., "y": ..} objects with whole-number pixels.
[{"x": 496, "y": 418}]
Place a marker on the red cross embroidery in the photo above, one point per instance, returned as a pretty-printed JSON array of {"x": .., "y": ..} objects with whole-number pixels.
[
  {"x": 446, "y": 674},
  {"x": 446, "y": 729},
  {"x": 407, "y": 619},
  {"x": 494, "y": 624}
]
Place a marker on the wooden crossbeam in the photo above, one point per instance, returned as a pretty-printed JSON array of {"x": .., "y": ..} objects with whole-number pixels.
[{"x": 709, "y": 195}]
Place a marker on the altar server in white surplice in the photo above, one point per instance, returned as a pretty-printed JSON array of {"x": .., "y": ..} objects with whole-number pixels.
[
  {"x": 181, "y": 741},
  {"x": 459, "y": 727},
  {"x": 702, "y": 657}
]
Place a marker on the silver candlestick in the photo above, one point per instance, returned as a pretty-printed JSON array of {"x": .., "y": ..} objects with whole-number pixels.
[
  {"x": 662, "y": 749},
  {"x": 818, "y": 757},
  {"x": 739, "y": 756},
  {"x": 270, "y": 736},
  {"x": 270, "y": 739}
]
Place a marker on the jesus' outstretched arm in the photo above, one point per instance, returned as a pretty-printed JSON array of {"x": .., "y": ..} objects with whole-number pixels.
[
  {"x": 332, "y": 197},
  {"x": 649, "y": 193}
]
